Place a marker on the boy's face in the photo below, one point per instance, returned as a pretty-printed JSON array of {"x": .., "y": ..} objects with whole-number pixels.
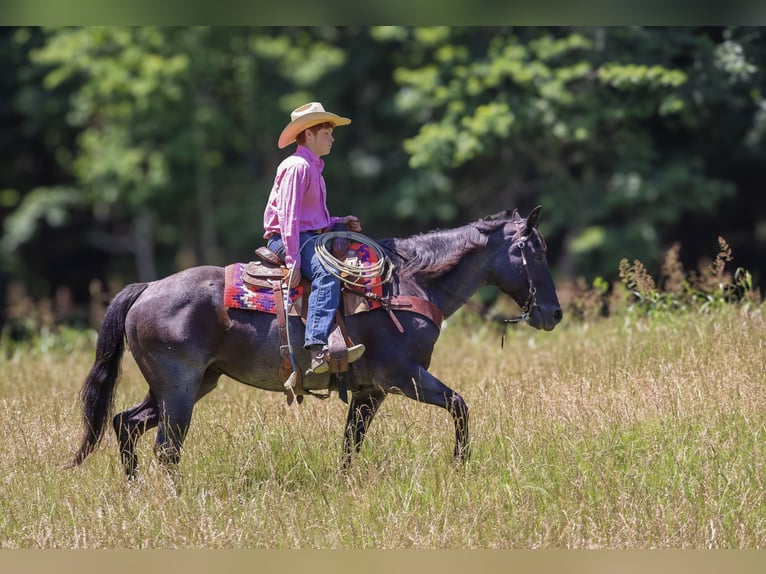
[{"x": 321, "y": 142}]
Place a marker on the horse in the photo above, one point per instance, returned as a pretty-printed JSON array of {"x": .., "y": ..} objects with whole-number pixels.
[{"x": 184, "y": 339}]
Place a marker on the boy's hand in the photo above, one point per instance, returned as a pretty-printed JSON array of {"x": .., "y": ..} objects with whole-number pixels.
[{"x": 352, "y": 221}]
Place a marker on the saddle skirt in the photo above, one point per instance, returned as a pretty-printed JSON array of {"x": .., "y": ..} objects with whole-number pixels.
[{"x": 240, "y": 293}]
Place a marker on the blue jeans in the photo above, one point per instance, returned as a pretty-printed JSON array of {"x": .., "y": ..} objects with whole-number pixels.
[{"x": 325, "y": 290}]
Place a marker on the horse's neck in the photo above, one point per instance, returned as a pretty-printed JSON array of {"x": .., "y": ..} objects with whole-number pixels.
[
  {"x": 453, "y": 289},
  {"x": 450, "y": 291}
]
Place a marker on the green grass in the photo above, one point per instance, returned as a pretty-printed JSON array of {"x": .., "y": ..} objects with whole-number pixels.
[{"x": 624, "y": 432}]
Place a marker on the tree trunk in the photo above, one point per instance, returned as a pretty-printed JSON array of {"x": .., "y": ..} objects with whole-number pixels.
[
  {"x": 208, "y": 252},
  {"x": 143, "y": 246}
]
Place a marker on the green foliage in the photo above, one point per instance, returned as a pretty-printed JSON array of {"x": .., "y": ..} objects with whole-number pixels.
[
  {"x": 676, "y": 290},
  {"x": 301, "y": 57},
  {"x": 637, "y": 295},
  {"x": 162, "y": 139},
  {"x": 49, "y": 205},
  {"x": 710, "y": 288},
  {"x": 583, "y": 117},
  {"x": 166, "y": 121},
  {"x": 629, "y": 77}
]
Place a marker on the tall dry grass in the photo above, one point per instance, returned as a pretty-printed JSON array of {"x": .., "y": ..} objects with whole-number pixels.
[{"x": 634, "y": 431}]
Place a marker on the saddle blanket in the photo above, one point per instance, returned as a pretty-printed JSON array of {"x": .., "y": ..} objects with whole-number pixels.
[{"x": 239, "y": 295}]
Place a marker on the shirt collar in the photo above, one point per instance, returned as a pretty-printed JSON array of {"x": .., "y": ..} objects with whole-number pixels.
[{"x": 310, "y": 156}]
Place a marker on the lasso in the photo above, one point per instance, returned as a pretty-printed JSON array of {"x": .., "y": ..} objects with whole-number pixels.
[{"x": 356, "y": 275}]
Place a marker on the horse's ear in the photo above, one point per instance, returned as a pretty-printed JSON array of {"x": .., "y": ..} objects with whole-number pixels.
[
  {"x": 515, "y": 215},
  {"x": 532, "y": 221}
]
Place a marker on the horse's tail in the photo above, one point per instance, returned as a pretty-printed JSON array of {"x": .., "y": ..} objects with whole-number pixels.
[{"x": 97, "y": 393}]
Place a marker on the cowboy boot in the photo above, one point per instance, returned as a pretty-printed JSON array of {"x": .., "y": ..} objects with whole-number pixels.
[{"x": 320, "y": 358}]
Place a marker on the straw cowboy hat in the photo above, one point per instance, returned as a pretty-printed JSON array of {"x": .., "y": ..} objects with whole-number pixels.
[{"x": 306, "y": 116}]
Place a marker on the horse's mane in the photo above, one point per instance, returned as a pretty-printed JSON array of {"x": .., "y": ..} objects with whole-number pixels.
[{"x": 432, "y": 254}]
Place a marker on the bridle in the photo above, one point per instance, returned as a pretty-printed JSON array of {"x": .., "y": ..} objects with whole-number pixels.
[{"x": 531, "y": 301}]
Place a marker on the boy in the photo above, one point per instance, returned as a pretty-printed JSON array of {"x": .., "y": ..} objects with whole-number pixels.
[{"x": 296, "y": 214}]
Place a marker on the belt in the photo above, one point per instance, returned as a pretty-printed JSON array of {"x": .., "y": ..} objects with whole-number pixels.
[{"x": 273, "y": 234}]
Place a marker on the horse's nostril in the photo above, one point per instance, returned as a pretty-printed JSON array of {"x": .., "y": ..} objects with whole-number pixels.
[{"x": 558, "y": 315}]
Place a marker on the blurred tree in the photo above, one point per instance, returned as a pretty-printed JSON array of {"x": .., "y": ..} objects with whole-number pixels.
[
  {"x": 175, "y": 128},
  {"x": 619, "y": 132},
  {"x": 29, "y": 146}
]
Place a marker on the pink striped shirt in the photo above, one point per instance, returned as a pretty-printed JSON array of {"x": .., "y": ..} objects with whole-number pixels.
[{"x": 297, "y": 202}]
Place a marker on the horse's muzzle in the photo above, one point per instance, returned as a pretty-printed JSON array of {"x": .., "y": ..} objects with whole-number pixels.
[{"x": 545, "y": 318}]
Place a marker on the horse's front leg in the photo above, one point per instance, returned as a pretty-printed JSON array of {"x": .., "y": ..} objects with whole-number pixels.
[
  {"x": 361, "y": 410},
  {"x": 426, "y": 388}
]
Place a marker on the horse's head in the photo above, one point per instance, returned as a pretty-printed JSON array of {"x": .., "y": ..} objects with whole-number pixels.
[{"x": 521, "y": 270}]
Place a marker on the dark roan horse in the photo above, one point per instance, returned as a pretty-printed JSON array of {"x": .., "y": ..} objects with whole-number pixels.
[{"x": 183, "y": 338}]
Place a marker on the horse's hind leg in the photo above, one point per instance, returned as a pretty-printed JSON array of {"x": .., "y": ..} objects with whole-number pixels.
[
  {"x": 175, "y": 416},
  {"x": 360, "y": 413},
  {"x": 129, "y": 425}
]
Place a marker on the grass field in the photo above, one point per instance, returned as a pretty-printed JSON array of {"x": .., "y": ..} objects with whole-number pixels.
[{"x": 624, "y": 432}]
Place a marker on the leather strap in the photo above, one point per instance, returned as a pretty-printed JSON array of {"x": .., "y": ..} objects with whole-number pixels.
[
  {"x": 285, "y": 365},
  {"x": 417, "y": 305},
  {"x": 404, "y": 303},
  {"x": 341, "y": 326},
  {"x": 336, "y": 347}
]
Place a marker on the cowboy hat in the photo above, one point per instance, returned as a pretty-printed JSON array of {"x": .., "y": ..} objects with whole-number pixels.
[{"x": 306, "y": 116}]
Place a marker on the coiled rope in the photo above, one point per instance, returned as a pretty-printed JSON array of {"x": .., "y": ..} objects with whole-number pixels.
[{"x": 356, "y": 275}]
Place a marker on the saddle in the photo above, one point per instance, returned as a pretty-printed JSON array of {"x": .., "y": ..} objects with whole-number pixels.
[{"x": 268, "y": 272}]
